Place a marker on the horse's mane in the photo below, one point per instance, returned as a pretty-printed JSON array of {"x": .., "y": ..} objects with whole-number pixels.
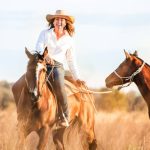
[
  {"x": 140, "y": 59},
  {"x": 37, "y": 54}
]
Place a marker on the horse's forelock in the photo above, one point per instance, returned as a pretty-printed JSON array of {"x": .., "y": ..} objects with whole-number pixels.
[{"x": 38, "y": 56}]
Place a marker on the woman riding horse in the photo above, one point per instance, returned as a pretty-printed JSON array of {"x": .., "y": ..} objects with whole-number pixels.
[{"x": 58, "y": 39}]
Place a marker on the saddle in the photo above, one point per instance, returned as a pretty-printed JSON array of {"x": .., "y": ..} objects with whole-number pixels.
[{"x": 71, "y": 86}]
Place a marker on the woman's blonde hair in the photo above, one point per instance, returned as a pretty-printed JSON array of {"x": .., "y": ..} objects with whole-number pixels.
[{"x": 69, "y": 27}]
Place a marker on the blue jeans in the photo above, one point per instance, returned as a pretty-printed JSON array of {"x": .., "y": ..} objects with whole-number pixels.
[{"x": 57, "y": 80}]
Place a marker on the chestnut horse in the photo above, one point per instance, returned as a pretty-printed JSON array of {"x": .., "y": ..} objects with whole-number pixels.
[
  {"x": 132, "y": 69},
  {"x": 37, "y": 107}
]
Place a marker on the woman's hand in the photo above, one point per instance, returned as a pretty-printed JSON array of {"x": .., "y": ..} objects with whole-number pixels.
[
  {"x": 80, "y": 82},
  {"x": 49, "y": 60}
]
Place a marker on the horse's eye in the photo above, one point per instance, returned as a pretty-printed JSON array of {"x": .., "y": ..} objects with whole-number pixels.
[
  {"x": 36, "y": 58},
  {"x": 41, "y": 58},
  {"x": 43, "y": 70}
]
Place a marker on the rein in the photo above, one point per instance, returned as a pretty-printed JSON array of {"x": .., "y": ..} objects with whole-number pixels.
[
  {"x": 130, "y": 78},
  {"x": 85, "y": 90}
]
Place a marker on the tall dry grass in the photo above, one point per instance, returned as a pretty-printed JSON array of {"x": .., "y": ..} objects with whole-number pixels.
[
  {"x": 123, "y": 131},
  {"x": 114, "y": 131}
]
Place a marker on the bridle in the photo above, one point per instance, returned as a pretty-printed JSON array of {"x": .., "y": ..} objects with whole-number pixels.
[
  {"x": 34, "y": 92},
  {"x": 129, "y": 78}
]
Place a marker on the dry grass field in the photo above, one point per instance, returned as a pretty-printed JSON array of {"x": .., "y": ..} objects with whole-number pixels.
[
  {"x": 123, "y": 131},
  {"x": 114, "y": 131}
]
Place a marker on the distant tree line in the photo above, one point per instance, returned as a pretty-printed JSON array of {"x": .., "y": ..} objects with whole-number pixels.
[
  {"x": 116, "y": 100},
  {"x": 6, "y": 96}
]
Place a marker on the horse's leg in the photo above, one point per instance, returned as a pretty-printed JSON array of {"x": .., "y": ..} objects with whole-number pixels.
[
  {"x": 43, "y": 137},
  {"x": 91, "y": 136},
  {"x": 20, "y": 141},
  {"x": 58, "y": 138},
  {"x": 86, "y": 119},
  {"x": 92, "y": 140},
  {"x": 87, "y": 127},
  {"x": 88, "y": 141},
  {"x": 93, "y": 145},
  {"x": 22, "y": 134}
]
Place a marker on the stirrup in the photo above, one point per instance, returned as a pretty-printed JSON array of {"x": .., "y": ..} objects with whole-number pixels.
[
  {"x": 64, "y": 123},
  {"x": 66, "y": 120}
]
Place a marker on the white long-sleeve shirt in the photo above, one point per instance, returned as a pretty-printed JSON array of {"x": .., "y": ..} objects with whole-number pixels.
[{"x": 59, "y": 50}]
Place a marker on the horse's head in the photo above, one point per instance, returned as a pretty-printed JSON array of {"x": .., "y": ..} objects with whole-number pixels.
[
  {"x": 126, "y": 71},
  {"x": 36, "y": 72}
]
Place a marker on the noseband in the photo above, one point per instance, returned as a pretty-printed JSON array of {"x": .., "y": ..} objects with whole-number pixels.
[{"x": 129, "y": 78}]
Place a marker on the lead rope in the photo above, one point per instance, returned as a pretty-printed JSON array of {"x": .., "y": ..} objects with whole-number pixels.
[
  {"x": 86, "y": 90},
  {"x": 90, "y": 97}
]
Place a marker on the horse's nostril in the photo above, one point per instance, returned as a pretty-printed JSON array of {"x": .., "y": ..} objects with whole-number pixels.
[
  {"x": 108, "y": 85},
  {"x": 106, "y": 82}
]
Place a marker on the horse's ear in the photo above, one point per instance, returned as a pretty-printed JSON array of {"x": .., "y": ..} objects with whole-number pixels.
[
  {"x": 135, "y": 53},
  {"x": 28, "y": 53},
  {"x": 127, "y": 54},
  {"x": 45, "y": 52}
]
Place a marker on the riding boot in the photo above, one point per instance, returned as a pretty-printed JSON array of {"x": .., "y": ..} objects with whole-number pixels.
[
  {"x": 65, "y": 119},
  {"x": 63, "y": 115}
]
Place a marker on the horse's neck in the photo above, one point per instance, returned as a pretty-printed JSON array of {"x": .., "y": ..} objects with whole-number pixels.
[
  {"x": 46, "y": 99},
  {"x": 142, "y": 80}
]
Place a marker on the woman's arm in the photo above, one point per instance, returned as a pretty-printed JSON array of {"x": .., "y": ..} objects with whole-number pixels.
[{"x": 71, "y": 61}]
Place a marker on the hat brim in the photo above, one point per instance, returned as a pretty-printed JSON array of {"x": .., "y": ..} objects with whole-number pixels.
[{"x": 69, "y": 18}]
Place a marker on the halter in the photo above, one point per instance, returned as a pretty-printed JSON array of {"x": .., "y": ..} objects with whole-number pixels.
[
  {"x": 129, "y": 78},
  {"x": 33, "y": 92}
]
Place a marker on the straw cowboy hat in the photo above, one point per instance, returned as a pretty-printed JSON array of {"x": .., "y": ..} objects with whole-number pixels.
[{"x": 61, "y": 14}]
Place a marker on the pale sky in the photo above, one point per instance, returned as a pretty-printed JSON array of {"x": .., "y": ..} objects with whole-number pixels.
[{"x": 103, "y": 29}]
